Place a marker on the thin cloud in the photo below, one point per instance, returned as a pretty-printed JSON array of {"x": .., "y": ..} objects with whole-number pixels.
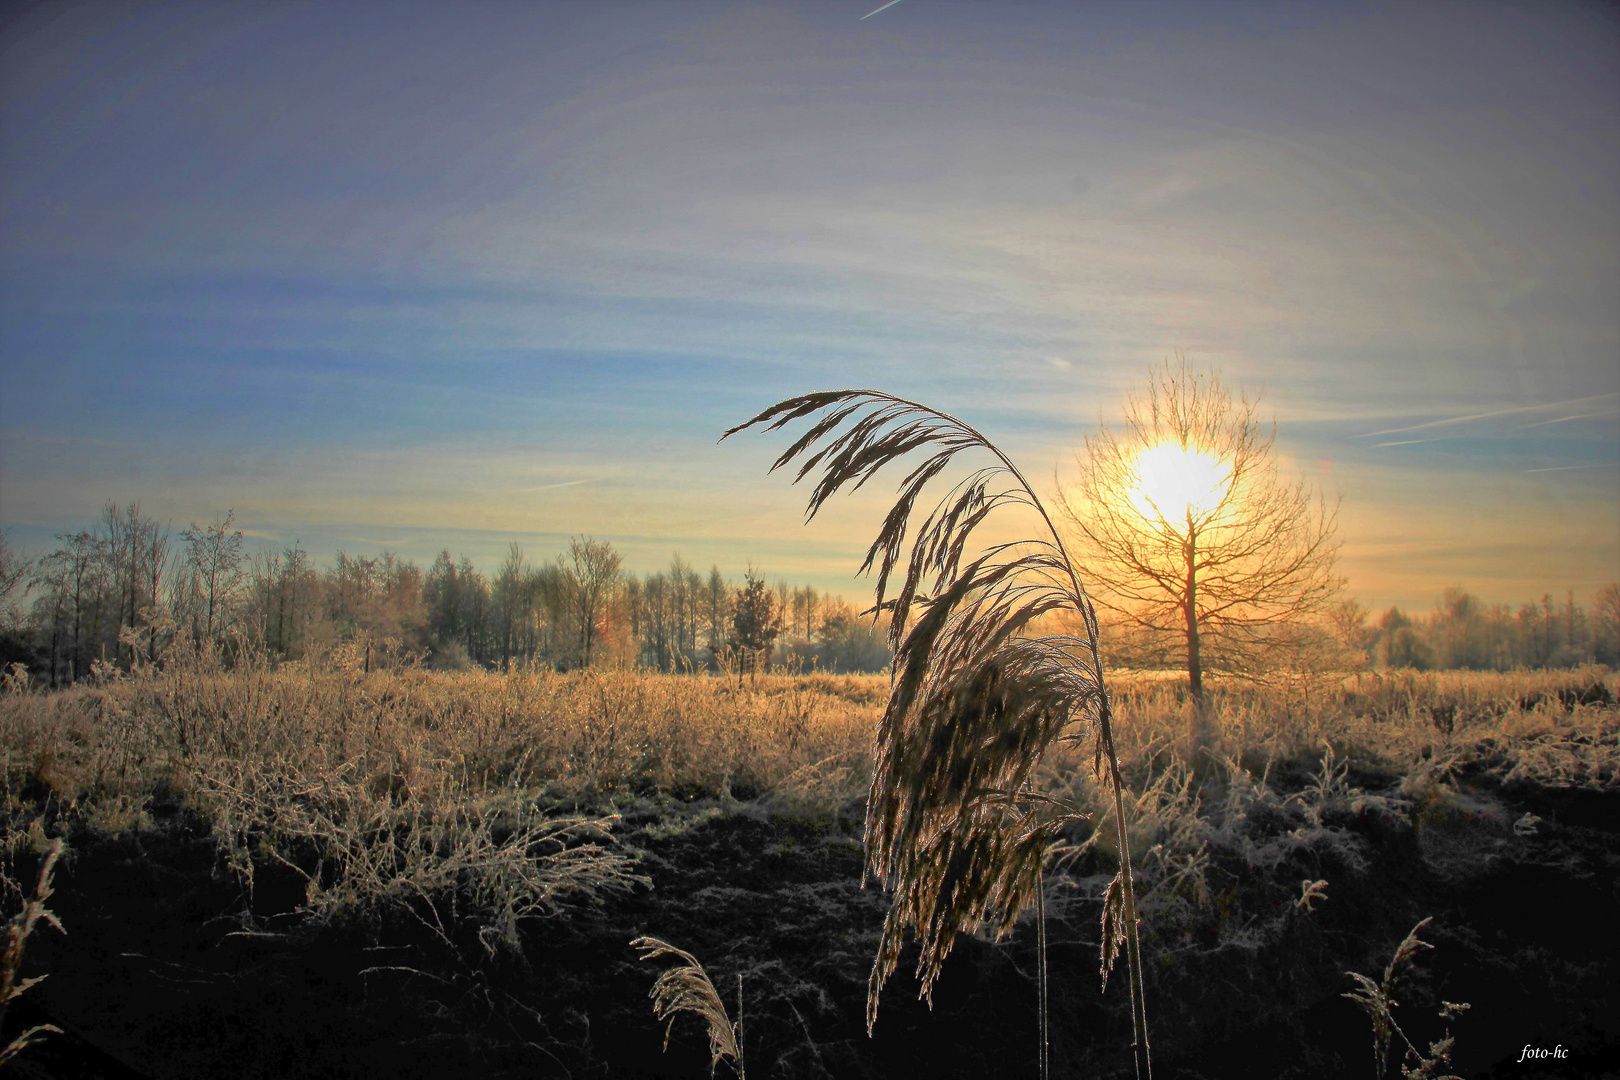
[
  {"x": 1487, "y": 415},
  {"x": 885, "y": 7},
  {"x": 565, "y": 483},
  {"x": 1562, "y": 419},
  {"x": 1566, "y": 468}
]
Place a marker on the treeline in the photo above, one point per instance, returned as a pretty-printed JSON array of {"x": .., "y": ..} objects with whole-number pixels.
[
  {"x": 123, "y": 591},
  {"x": 1465, "y": 632}
]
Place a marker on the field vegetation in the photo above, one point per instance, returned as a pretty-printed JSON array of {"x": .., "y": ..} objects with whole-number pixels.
[{"x": 495, "y": 828}]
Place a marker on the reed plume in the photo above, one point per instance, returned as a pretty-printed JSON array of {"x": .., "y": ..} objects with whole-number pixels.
[
  {"x": 1377, "y": 999},
  {"x": 687, "y": 988},
  {"x": 953, "y": 826},
  {"x": 17, "y": 935}
]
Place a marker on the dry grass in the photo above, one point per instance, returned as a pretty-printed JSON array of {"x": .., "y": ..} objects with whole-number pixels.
[
  {"x": 1216, "y": 852},
  {"x": 1377, "y": 999},
  {"x": 487, "y": 798},
  {"x": 413, "y": 734},
  {"x": 475, "y": 740},
  {"x": 20, "y": 929},
  {"x": 452, "y": 795},
  {"x": 1530, "y": 725},
  {"x": 687, "y": 988}
]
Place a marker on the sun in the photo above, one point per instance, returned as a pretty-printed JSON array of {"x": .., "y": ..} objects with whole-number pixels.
[{"x": 1175, "y": 482}]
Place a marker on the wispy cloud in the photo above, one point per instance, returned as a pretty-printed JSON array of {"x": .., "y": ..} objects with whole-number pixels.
[
  {"x": 1488, "y": 415},
  {"x": 565, "y": 483},
  {"x": 1565, "y": 419},
  {"x": 1013, "y": 217},
  {"x": 1567, "y": 468}
]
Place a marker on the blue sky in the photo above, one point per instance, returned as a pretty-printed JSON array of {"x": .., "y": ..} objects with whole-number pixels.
[{"x": 432, "y": 274}]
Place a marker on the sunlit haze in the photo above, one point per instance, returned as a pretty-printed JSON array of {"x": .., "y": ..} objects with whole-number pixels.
[
  {"x": 1175, "y": 482},
  {"x": 419, "y": 275}
]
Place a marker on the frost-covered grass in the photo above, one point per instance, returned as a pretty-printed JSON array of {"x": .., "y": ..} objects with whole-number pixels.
[
  {"x": 480, "y": 803},
  {"x": 501, "y": 790}
]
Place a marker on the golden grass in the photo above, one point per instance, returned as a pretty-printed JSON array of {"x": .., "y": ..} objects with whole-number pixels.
[
  {"x": 1531, "y": 722},
  {"x": 498, "y": 793},
  {"x": 21, "y": 927},
  {"x": 418, "y": 735},
  {"x": 687, "y": 988},
  {"x": 471, "y": 793},
  {"x": 473, "y": 739}
]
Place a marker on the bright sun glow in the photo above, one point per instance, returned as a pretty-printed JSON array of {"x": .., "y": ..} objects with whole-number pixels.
[{"x": 1173, "y": 481}]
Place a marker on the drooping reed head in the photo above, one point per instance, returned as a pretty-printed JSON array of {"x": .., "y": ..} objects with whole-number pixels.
[
  {"x": 973, "y": 704},
  {"x": 687, "y": 988}
]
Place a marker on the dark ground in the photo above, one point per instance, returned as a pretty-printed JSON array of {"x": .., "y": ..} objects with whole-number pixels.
[{"x": 159, "y": 975}]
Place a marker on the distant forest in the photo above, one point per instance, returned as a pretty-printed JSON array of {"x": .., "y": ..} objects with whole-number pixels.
[
  {"x": 1465, "y": 632},
  {"x": 122, "y": 591}
]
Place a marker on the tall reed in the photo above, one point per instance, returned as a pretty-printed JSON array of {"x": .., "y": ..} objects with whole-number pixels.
[{"x": 953, "y": 825}]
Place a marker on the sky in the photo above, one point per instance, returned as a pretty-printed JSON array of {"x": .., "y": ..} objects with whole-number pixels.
[{"x": 421, "y": 275}]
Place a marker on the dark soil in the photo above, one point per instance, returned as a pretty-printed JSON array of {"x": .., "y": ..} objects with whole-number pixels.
[{"x": 161, "y": 974}]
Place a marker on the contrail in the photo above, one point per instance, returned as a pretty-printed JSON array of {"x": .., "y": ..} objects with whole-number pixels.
[
  {"x": 1562, "y": 419},
  {"x": 873, "y": 12},
  {"x": 1487, "y": 415},
  {"x": 565, "y": 483}
]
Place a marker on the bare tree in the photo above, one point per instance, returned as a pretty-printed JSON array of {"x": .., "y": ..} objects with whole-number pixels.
[
  {"x": 1349, "y": 622},
  {"x": 1188, "y": 532},
  {"x": 473, "y": 605},
  {"x": 784, "y": 606},
  {"x": 153, "y": 546},
  {"x": 1606, "y": 624},
  {"x": 806, "y": 603},
  {"x": 689, "y": 591},
  {"x": 213, "y": 559},
  {"x": 284, "y": 588},
  {"x": 665, "y": 610},
  {"x": 14, "y": 572},
  {"x": 512, "y": 597},
  {"x": 69, "y": 579},
  {"x": 717, "y": 603},
  {"x": 591, "y": 569},
  {"x": 122, "y": 553},
  {"x": 137, "y": 554}
]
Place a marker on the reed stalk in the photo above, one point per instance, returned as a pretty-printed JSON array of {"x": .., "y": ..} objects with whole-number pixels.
[{"x": 975, "y": 702}]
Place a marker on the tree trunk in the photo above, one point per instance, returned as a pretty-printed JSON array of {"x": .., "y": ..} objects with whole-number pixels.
[
  {"x": 56, "y": 636},
  {"x": 152, "y": 641},
  {"x": 1195, "y": 669},
  {"x": 1204, "y": 734},
  {"x": 78, "y": 622}
]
